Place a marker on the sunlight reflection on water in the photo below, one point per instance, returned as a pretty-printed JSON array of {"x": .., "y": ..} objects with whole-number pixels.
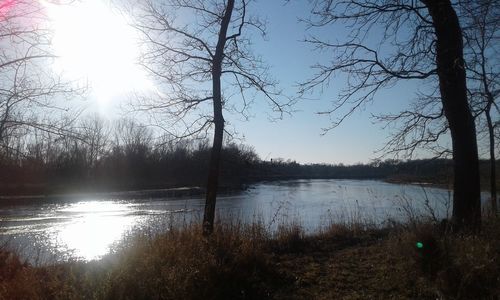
[
  {"x": 86, "y": 230},
  {"x": 95, "y": 228}
]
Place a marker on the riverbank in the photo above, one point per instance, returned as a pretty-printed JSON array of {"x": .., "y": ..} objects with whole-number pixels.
[
  {"x": 174, "y": 191},
  {"x": 343, "y": 261},
  {"x": 134, "y": 194}
]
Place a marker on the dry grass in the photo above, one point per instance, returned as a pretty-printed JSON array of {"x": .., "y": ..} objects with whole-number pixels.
[
  {"x": 454, "y": 266},
  {"x": 343, "y": 261}
]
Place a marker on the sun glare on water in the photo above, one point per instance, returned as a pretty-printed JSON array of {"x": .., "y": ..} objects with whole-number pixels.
[
  {"x": 95, "y": 227},
  {"x": 95, "y": 43}
]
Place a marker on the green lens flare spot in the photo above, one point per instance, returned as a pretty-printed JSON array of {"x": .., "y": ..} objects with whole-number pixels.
[{"x": 420, "y": 245}]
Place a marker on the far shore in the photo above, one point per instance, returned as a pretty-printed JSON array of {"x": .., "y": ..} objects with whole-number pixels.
[
  {"x": 185, "y": 191},
  {"x": 146, "y": 193}
]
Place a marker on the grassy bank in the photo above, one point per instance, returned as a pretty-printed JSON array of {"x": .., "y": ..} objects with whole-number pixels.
[{"x": 343, "y": 261}]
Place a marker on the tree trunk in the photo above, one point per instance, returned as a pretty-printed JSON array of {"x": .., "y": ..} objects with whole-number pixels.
[
  {"x": 452, "y": 85},
  {"x": 493, "y": 176},
  {"x": 491, "y": 132},
  {"x": 213, "y": 172}
]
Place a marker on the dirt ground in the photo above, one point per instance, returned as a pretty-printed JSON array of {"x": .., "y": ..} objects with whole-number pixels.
[{"x": 349, "y": 269}]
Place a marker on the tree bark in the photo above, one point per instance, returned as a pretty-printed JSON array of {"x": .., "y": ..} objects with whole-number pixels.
[
  {"x": 213, "y": 172},
  {"x": 452, "y": 84}
]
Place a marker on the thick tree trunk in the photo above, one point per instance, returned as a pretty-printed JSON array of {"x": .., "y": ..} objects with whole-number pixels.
[
  {"x": 452, "y": 84},
  {"x": 213, "y": 172}
]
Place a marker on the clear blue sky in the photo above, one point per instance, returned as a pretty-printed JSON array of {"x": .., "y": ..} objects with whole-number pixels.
[{"x": 298, "y": 137}]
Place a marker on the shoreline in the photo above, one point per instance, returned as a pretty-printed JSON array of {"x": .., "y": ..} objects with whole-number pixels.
[
  {"x": 187, "y": 191},
  {"x": 141, "y": 194}
]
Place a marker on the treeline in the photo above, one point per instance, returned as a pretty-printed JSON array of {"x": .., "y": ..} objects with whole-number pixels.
[
  {"x": 98, "y": 156},
  {"x": 127, "y": 156},
  {"x": 435, "y": 171}
]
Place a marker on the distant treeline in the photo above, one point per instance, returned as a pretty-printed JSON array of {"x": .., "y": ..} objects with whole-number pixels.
[
  {"x": 434, "y": 171},
  {"x": 127, "y": 157}
]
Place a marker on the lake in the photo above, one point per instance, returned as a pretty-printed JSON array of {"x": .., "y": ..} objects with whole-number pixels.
[{"x": 85, "y": 230}]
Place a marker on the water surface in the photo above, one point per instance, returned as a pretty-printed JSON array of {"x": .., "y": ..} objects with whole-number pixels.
[{"x": 87, "y": 229}]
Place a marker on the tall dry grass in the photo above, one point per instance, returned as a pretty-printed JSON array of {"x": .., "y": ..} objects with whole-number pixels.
[
  {"x": 453, "y": 266},
  {"x": 242, "y": 262},
  {"x": 178, "y": 264}
]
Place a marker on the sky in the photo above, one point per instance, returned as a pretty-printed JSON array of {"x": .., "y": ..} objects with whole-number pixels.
[{"x": 298, "y": 136}]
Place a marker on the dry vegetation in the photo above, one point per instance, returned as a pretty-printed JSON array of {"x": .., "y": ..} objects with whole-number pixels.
[{"x": 344, "y": 261}]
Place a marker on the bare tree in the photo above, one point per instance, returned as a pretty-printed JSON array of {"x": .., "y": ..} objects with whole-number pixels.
[
  {"x": 28, "y": 86},
  {"x": 132, "y": 136},
  {"x": 481, "y": 21},
  {"x": 419, "y": 40},
  {"x": 202, "y": 59},
  {"x": 422, "y": 126},
  {"x": 95, "y": 134}
]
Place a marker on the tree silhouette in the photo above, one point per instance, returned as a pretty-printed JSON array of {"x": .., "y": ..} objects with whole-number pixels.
[
  {"x": 419, "y": 40},
  {"x": 28, "y": 86},
  {"x": 481, "y": 24},
  {"x": 204, "y": 63}
]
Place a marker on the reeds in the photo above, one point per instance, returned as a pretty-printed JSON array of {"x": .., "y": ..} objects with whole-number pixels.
[{"x": 249, "y": 261}]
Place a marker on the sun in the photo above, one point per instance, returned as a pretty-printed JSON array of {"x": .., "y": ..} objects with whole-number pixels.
[{"x": 96, "y": 43}]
